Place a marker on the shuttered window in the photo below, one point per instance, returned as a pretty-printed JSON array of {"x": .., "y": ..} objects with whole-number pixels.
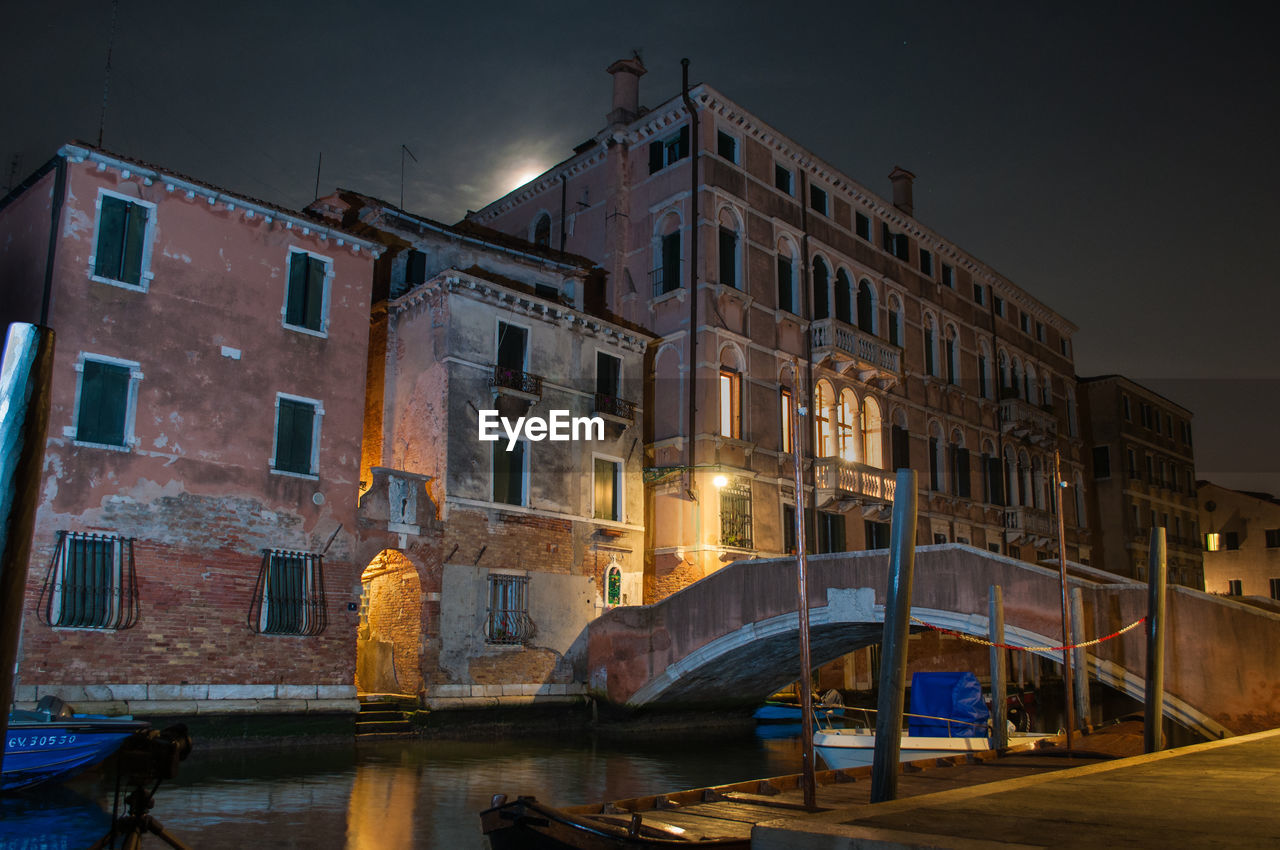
[
  {"x": 607, "y": 492},
  {"x": 304, "y": 304},
  {"x": 122, "y": 230},
  {"x": 104, "y": 403},
  {"x": 295, "y": 436}
]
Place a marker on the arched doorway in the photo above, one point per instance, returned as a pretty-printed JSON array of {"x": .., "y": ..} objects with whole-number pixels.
[{"x": 389, "y": 639}]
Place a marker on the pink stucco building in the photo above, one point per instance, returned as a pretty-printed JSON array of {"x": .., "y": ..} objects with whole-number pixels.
[{"x": 195, "y": 547}]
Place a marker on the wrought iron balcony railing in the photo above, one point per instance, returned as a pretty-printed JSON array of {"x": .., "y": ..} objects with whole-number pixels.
[
  {"x": 618, "y": 408},
  {"x": 507, "y": 378}
]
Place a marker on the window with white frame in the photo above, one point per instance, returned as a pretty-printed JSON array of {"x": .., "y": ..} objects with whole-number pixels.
[
  {"x": 122, "y": 244},
  {"x": 818, "y": 200},
  {"x": 297, "y": 442},
  {"x": 508, "y": 622},
  {"x": 607, "y": 490},
  {"x": 307, "y": 295},
  {"x": 730, "y": 403},
  {"x": 91, "y": 583},
  {"x": 783, "y": 179},
  {"x": 786, "y": 405},
  {"x": 668, "y": 150},
  {"x": 727, "y": 146},
  {"x": 666, "y": 255},
  {"x": 729, "y": 244},
  {"x": 106, "y": 401},
  {"x": 511, "y": 473},
  {"x": 787, "y": 277}
]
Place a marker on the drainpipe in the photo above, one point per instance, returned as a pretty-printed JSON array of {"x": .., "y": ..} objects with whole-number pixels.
[
  {"x": 693, "y": 258},
  {"x": 564, "y": 194}
]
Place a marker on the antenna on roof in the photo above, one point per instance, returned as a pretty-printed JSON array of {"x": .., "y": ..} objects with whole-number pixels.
[
  {"x": 319, "y": 159},
  {"x": 106, "y": 76},
  {"x": 404, "y": 150}
]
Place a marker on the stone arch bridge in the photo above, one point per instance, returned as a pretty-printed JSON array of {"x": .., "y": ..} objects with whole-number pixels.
[{"x": 731, "y": 637}]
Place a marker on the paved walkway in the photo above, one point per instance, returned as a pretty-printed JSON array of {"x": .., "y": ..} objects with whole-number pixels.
[{"x": 1219, "y": 794}]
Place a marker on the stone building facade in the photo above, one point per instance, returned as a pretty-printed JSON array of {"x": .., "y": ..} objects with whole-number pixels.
[
  {"x": 1142, "y": 473},
  {"x": 773, "y": 280},
  {"x": 1241, "y": 536},
  {"x": 195, "y": 544},
  {"x": 485, "y": 599}
]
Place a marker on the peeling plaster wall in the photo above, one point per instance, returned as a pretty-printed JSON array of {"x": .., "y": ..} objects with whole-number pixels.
[{"x": 195, "y": 487}]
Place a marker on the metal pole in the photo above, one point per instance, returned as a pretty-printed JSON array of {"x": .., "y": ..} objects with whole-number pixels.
[
  {"x": 999, "y": 672},
  {"x": 1058, "y": 486},
  {"x": 1152, "y": 737},
  {"x": 809, "y": 783},
  {"x": 24, "y": 419},
  {"x": 897, "y": 622},
  {"x": 1081, "y": 662}
]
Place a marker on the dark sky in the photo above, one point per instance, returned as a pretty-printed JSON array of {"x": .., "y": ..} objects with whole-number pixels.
[{"x": 1120, "y": 161}]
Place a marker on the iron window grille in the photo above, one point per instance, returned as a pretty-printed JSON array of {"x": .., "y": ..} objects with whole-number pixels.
[
  {"x": 735, "y": 515},
  {"x": 91, "y": 583},
  {"x": 508, "y": 622},
  {"x": 289, "y": 596}
]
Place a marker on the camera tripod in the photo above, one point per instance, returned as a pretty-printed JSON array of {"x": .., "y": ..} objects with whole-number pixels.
[{"x": 137, "y": 822}]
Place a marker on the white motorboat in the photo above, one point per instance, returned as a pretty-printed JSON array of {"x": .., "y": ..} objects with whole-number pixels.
[{"x": 841, "y": 748}]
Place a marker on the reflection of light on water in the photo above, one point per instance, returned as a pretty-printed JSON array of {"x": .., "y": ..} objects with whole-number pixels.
[{"x": 380, "y": 814}]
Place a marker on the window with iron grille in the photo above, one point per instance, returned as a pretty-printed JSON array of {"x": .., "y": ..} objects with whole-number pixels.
[
  {"x": 289, "y": 597},
  {"x": 735, "y": 515},
  {"x": 508, "y": 620},
  {"x": 91, "y": 583}
]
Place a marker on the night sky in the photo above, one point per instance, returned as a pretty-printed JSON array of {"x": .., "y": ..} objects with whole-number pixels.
[{"x": 1119, "y": 161}]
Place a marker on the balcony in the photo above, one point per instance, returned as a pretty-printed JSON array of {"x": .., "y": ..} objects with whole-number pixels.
[
  {"x": 615, "y": 409},
  {"x": 844, "y": 481},
  {"x": 1030, "y": 524},
  {"x": 1026, "y": 421},
  {"x": 512, "y": 382},
  {"x": 851, "y": 349}
]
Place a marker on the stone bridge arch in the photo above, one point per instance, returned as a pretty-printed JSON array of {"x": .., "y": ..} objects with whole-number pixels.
[{"x": 731, "y": 638}]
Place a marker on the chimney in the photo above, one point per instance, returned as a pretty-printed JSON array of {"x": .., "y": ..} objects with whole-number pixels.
[
  {"x": 901, "y": 179},
  {"x": 626, "y": 89}
]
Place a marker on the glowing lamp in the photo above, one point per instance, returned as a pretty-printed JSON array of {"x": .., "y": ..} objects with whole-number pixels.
[{"x": 720, "y": 481}]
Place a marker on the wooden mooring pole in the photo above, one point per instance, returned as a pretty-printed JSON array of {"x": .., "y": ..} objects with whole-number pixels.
[
  {"x": 1080, "y": 662},
  {"x": 1058, "y": 486},
  {"x": 893, "y": 655},
  {"x": 808, "y": 782},
  {"x": 1153, "y": 717},
  {"x": 999, "y": 670}
]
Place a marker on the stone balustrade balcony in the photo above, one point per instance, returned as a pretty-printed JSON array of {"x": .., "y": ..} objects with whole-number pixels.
[
  {"x": 851, "y": 349},
  {"x": 1030, "y": 523},
  {"x": 845, "y": 480},
  {"x": 1023, "y": 419}
]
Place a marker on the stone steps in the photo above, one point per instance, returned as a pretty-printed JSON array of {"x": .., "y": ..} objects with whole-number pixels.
[{"x": 385, "y": 716}]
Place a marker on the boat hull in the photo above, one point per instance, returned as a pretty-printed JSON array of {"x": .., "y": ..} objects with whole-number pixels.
[
  {"x": 526, "y": 824},
  {"x": 846, "y": 748},
  {"x": 37, "y": 752}
]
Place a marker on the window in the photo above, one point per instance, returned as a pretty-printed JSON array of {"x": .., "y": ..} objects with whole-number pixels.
[
  {"x": 1015, "y": 552},
  {"x": 542, "y": 231},
  {"x": 511, "y": 346},
  {"x": 821, "y": 277},
  {"x": 1065, "y": 347},
  {"x": 848, "y": 448},
  {"x": 824, "y": 399},
  {"x": 1159, "y": 426},
  {"x": 1168, "y": 425},
  {"x": 984, "y": 372},
  {"x": 415, "y": 265},
  {"x": 877, "y": 534},
  {"x": 862, "y": 226},
  {"x": 1040, "y": 331},
  {"x": 1101, "y": 461},
  {"x": 91, "y": 583},
  {"x": 728, "y": 256},
  {"x": 608, "y": 374},
  {"x": 872, "y": 429},
  {"x": 1275, "y": 588},
  {"x": 783, "y": 179},
  {"x": 1024, "y": 322},
  {"x": 608, "y": 490},
  {"x": 926, "y": 265},
  {"x": 613, "y": 585},
  {"x": 123, "y": 243},
  {"x": 1186, "y": 433},
  {"x": 818, "y": 200},
  {"x": 1151, "y": 475},
  {"x": 937, "y": 460},
  {"x": 1131, "y": 458},
  {"x": 949, "y": 280},
  {"x": 508, "y": 622},
  {"x": 666, "y": 272},
  {"x": 998, "y": 303},
  {"x": 1128, "y": 411},
  {"x": 106, "y": 400},
  {"x": 289, "y": 598},
  {"x": 900, "y": 446},
  {"x": 844, "y": 297},
  {"x": 895, "y": 321},
  {"x": 1213, "y": 542},
  {"x": 1273, "y": 538},
  {"x": 979, "y": 291},
  {"x": 305, "y": 301},
  {"x": 786, "y": 283},
  {"x": 953, "y": 357},
  {"x": 1145, "y": 414},
  {"x": 896, "y": 244},
  {"x": 1230, "y": 540},
  {"x": 789, "y": 546},
  {"x": 727, "y": 146},
  {"x": 673, "y": 148},
  {"x": 735, "y": 514},
  {"x": 930, "y": 347},
  {"x": 786, "y": 405},
  {"x": 730, "y": 404},
  {"x": 866, "y": 306},
  {"x": 297, "y": 447},
  {"x": 1234, "y": 587},
  {"x": 510, "y": 473},
  {"x": 830, "y": 532}
]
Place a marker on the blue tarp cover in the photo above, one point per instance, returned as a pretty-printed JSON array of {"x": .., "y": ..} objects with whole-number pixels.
[{"x": 956, "y": 696}]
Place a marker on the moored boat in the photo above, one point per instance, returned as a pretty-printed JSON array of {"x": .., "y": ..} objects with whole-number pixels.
[
  {"x": 846, "y": 748},
  {"x": 53, "y": 743}
]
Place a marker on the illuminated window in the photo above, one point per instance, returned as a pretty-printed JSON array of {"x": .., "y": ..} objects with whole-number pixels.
[
  {"x": 730, "y": 404},
  {"x": 607, "y": 494},
  {"x": 735, "y": 514},
  {"x": 824, "y": 399},
  {"x": 787, "y": 403},
  {"x": 872, "y": 450},
  {"x": 613, "y": 583},
  {"x": 846, "y": 417},
  {"x": 1213, "y": 542}
]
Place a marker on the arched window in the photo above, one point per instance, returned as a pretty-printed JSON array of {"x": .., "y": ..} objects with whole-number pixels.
[
  {"x": 992, "y": 480},
  {"x": 1015, "y": 379},
  {"x": 732, "y": 367},
  {"x": 730, "y": 241},
  {"x": 872, "y": 434},
  {"x": 1012, "y": 478},
  {"x": 866, "y": 306},
  {"x": 1006, "y": 377},
  {"x": 1030, "y": 387},
  {"x": 984, "y": 369},
  {"x": 1038, "y": 484},
  {"x": 542, "y": 231},
  {"x": 958, "y": 464},
  {"x": 931, "y": 346},
  {"x": 666, "y": 254},
  {"x": 821, "y": 279},
  {"x": 896, "y": 336},
  {"x": 953, "y": 355},
  {"x": 787, "y": 276},
  {"x": 1072, "y": 426},
  {"x": 1046, "y": 395},
  {"x": 937, "y": 458},
  {"x": 846, "y": 421},
  {"x": 1024, "y": 474},
  {"x": 844, "y": 297},
  {"x": 1081, "y": 519},
  {"x": 613, "y": 583},
  {"x": 824, "y": 398}
]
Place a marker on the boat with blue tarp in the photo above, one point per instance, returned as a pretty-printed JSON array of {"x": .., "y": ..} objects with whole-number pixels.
[{"x": 53, "y": 743}]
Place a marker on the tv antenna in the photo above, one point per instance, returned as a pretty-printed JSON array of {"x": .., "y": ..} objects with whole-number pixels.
[{"x": 106, "y": 76}]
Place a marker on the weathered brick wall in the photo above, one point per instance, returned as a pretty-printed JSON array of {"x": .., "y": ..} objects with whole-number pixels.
[
  {"x": 512, "y": 541},
  {"x": 395, "y": 613}
]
